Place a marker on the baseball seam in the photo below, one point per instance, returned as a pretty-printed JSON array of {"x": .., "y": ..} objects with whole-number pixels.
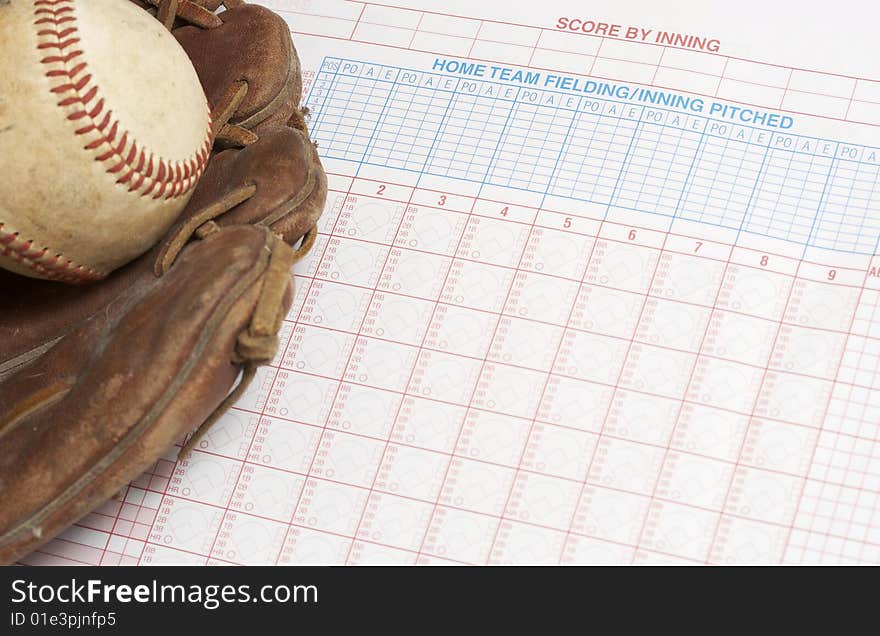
[
  {"x": 41, "y": 261},
  {"x": 137, "y": 168}
]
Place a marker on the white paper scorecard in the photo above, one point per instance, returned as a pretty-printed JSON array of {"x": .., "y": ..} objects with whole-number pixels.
[{"x": 596, "y": 283}]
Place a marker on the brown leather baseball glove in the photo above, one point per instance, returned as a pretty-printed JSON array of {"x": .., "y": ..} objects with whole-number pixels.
[{"x": 97, "y": 382}]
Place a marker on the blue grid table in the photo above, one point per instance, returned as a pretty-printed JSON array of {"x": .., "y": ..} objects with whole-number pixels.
[{"x": 809, "y": 191}]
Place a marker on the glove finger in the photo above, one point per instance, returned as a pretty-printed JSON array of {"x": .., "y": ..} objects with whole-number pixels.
[
  {"x": 124, "y": 386},
  {"x": 286, "y": 183},
  {"x": 253, "y": 46}
]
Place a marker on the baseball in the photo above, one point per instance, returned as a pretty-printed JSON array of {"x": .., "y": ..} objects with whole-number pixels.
[{"x": 104, "y": 132}]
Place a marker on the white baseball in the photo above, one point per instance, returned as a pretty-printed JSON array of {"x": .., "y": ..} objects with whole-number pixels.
[{"x": 104, "y": 132}]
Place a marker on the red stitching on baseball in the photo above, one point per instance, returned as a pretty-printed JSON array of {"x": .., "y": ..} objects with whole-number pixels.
[
  {"x": 19, "y": 250},
  {"x": 139, "y": 176},
  {"x": 60, "y": 45},
  {"x": 54, "y": 13},
  {"x": 60, "y": 34},
  {"x": 55, "y": 21},
  {"x": 79, "y": 101}
]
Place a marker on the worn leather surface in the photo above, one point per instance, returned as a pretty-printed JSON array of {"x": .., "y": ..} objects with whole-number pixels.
[
  {"x": 83, "y": 419},
  {"x": 291, "y": 183},
  {"x": 253, "y": 44}
]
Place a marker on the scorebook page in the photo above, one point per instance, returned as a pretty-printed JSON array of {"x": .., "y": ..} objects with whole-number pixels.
[{"x": 596, "y": 283}]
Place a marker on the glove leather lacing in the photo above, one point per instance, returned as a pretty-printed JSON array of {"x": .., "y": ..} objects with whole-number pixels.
[
  {"x": 198, "y": 13},
  {"x": 258, "y": 344}
]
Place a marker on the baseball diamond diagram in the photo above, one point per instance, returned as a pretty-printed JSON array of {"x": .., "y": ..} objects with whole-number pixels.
[{"x": 628, "y": 312}]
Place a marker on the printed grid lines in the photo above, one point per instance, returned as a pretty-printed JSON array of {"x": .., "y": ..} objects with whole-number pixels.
[
  {"x": 157, "y": 495},
  {"x": 775, "y": 181},
  {"x": 830, "y": 95},
  {"x": 261, "y": 411}
]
